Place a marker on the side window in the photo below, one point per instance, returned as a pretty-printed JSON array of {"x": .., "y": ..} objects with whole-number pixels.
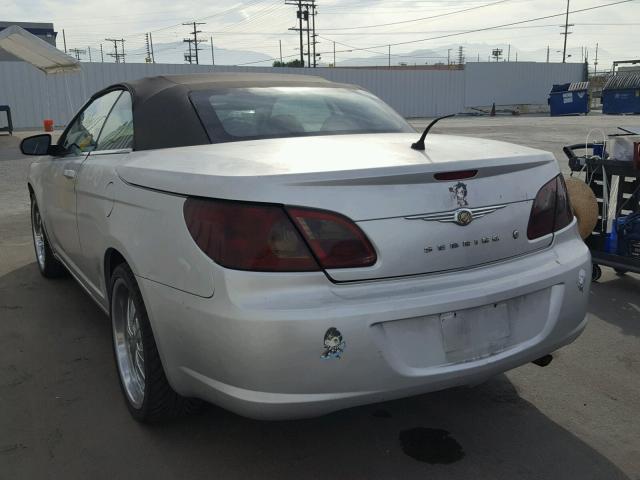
[
  {"x": 118, "y": 129},
  {"x": 83, "y": 132}
]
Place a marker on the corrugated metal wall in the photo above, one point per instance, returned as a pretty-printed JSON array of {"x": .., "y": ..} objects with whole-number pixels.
[
  {"x": 413, "y": 93},
  {"x": 509, "y": 83}
]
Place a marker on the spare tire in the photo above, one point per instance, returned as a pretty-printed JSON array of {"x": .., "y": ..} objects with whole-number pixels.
[{"x": 584, "y": 205}]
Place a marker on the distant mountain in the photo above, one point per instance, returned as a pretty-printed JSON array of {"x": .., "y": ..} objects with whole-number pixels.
[
  {"x": 474, "y": 52},
  {"x": 174, "y": 53}
]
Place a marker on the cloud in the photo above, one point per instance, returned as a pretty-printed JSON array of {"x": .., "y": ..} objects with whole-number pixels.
[{"x": 260, "y": 25}]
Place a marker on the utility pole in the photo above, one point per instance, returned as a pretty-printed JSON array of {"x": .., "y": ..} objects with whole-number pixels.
[
  {"x": 89, "y": 49},
  {"x": 300, "y": 15},
  {"x": 547, "y": 53},
  {"x": 116, "y": 55},
  {"x": 64, "y": 40},
  {"x": 77, "y": 52},
  {"x": 313, "y": 27},
  {"x": 448, "y": 57},
  {"x": 509, "y": 53},
  {"x": 194, "y": 41},
  {"x": 280, "y": 44},
  {"x": 389, "y": 57},
  {"x": 306, "y": 17},
  {"x": 334, "y": 54},
  {"x": 147, "y": 46},
  {"x": 460, "y": 55},
  {"x": 153, "y": 55},
  {"x": 303, "y": 14},
  {"x": 566, "y": 34},
  {"x": 595, "y": 62},
  {"x": 188, "y": 57},
  {"x": 101, "y": 54},
  {"x": 213, "y": 57}
]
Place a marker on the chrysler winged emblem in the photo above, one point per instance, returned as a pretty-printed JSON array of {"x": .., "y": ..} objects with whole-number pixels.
[
  {"x": 464, "y": 216},
  {"x": 461, "y": 216}
]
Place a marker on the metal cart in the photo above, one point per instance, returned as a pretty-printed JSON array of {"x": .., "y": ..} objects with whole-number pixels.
[{"x": 627, "y": 201}]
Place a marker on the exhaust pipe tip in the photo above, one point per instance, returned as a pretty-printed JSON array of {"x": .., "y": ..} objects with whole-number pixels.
[{"x": 543, "y": 361}]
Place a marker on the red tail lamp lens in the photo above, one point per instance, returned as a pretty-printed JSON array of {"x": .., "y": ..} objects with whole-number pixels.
[
  {"x": 551, "y": 210},
  {"x": 564, "y": 212},
  {"x": 247, "y": 236},
  {"x": 336, "y": 241},
  {"x": 450, "y": 176}
]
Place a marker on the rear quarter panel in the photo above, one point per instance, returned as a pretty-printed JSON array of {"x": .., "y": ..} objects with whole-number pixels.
[{"x": 148, "y": 228}]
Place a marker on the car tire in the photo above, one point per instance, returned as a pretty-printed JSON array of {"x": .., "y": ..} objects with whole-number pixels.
[
  {"x": 147, "y": 393},
  {"x": 48, "y": 264}
]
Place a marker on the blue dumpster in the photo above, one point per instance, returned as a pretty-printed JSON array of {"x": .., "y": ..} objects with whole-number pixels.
[
  {"x": 569, "y": 99},
  {"x": 621, "y": 94}
]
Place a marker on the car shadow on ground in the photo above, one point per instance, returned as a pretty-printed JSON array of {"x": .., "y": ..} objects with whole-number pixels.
[
  {"x": 613, "y": 290},
  {"x": 63, "y": 417}
]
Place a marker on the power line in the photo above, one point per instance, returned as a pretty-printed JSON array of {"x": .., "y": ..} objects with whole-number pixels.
[
  {"x": 483, "y": 29},
  {"x": 466, "y": 32},
  {"x": 419, "y": 19}
]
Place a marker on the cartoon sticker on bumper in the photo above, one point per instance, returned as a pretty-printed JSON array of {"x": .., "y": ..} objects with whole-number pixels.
[
  {"x": 333, "y": 344},
  {"x": 459, "y": 194}
]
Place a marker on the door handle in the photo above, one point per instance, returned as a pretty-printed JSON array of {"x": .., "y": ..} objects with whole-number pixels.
[{"x": 69, "y": 173}]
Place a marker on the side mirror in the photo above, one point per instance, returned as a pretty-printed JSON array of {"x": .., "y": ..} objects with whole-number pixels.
[{"x": 36, "y": 145}]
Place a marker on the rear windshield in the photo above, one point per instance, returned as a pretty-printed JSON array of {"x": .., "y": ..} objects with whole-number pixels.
[{"x": 274, "y": 112}]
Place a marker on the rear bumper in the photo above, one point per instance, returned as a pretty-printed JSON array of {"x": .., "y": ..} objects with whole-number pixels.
[{"x": 256, "y": 346}]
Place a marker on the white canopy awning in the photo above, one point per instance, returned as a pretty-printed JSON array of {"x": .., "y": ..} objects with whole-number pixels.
[{"x": 26, "y": 46}]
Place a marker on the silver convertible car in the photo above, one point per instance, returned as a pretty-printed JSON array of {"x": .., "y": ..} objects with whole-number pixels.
[{"x": 274, "y": 245}]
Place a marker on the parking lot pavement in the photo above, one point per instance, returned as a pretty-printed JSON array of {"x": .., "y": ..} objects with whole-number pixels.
[
  {"x": 536, "y": 131},
  {"x": 62, "y": 416}
]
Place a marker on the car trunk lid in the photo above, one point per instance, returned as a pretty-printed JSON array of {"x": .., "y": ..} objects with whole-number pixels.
[{"x": 388, "y": 189}]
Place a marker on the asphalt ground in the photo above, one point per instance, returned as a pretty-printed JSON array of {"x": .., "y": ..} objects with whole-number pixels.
[{"x": 62, "y": 414}]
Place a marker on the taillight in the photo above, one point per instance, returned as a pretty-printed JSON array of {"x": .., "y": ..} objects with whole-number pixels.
[
  {"x": 551, "y": 210},
  {"x": 336, "y": 241},
  {"x": 246, "y": 236},
  {"x": 460, "y": 175}
]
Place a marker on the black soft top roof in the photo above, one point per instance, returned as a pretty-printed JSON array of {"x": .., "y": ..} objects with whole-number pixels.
[{"x": 163, "y": 116}]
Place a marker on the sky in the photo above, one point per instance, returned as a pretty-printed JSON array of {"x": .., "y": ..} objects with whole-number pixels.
[{"x": 359, "y": 28}]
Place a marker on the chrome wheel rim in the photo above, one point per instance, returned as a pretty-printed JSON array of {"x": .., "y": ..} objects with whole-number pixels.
[
  {"x": 127, "y": 337},
  {"x": 38, "y": 235}
]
